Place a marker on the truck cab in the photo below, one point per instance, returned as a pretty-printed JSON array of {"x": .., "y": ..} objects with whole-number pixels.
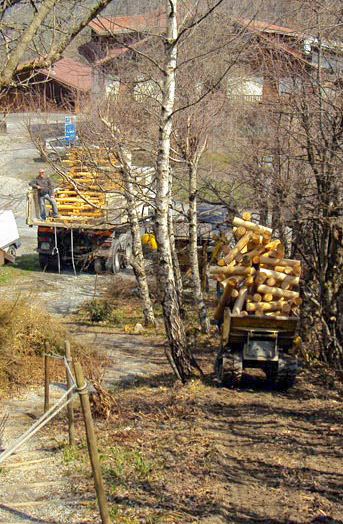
[{"x": 9, "y": 235}]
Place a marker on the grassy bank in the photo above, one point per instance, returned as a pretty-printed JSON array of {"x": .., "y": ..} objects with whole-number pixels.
[{"x": 26, "y": 331}]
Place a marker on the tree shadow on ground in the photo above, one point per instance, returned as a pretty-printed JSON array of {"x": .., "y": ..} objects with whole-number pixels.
[
  {"x": 26, "y": 516},
  {"x": 28, "y": 262}
]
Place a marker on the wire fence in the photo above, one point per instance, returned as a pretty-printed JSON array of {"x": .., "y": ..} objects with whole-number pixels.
[{"x": 61, "y": 403}]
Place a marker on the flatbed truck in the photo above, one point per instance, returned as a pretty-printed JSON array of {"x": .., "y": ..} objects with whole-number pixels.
[{"x": 101, "y": 241}]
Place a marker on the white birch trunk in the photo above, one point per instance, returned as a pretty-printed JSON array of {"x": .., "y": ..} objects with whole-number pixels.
[
  {"x": 177, "y": 354},
  {"x": 176, "y": 265},
  {"x": 137, "y": 261},
  {"x": 193, "y": 250}
]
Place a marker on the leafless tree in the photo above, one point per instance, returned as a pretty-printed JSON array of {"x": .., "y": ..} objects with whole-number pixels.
[{"x": 34, "y": 34}]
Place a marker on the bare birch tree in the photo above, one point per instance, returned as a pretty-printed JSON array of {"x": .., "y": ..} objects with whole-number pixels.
[{"x": 177, "y": 351}]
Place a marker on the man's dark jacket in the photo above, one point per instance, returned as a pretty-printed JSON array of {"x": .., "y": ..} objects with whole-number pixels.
[{"x": 46, "y": 186}]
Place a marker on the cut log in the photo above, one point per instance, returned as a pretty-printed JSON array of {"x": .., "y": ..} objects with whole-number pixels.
[
  {"x": 257, "y": 297},
  {"x": 249, "y": 280},
  {"x": 268, "y": 297},
  {"x": 246, "y": 261},
  {"x": 221, "y": 262},
  {"x": 296, "y": 270},
  {"x": 297, "y": 301},
  {"x": 220, "y": 277},
  {"x": 256, "y": 238},
  {"x": 284, "y": 269},
  {"x": 277, "y": 292},
  {"x": 237, "y": 270},
  {"x": 226, "y": 249},
  {"x": 279, "y": 261},
  {"x": 238, "y": 222},
  {"x": 271, "y": 281},
  {"x": 280, "y": 276},
  {"x": 269, "y": 306},
  {"x": 239, "y": 232},
  {"x": 242, "y": 242},
  {"x": 266, "y": 236},
  {"x": 219, "y": 312},
  {"x": 239, "y": 257},
  {"x": 234, "y": 281},
  {"x": 240, "y": 301},
  {"x": 274, "y": 244},
  {"x": 260, "y": 278},
  {"x": 256, "y": 252},
  {"x": 284, "y": 284},
  {"x": 253, "y": 245},
  {"x": 246, "y": 215}
]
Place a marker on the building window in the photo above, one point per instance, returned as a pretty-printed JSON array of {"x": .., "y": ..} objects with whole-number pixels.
[
  {"x": 112, "y": 87},
  {"x": 250, "y": 88},
  {"x": 147, "y": 89}
]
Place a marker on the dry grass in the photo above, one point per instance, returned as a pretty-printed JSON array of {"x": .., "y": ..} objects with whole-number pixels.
[
  {"x": 121, "y": 289},
  {"x": 26, "y": 331},
  {"x": 120, "y": 307}
]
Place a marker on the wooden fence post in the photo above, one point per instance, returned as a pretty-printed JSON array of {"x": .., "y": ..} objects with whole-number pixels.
[
  {"x": 91, "y": 443},
  {"x": 46, "y": 379},
  {"x": 70, "y": 407}
]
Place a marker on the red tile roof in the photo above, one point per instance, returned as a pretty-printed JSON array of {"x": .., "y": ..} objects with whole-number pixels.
[
  {"x": 71, "y": 73},
  {"x": 126, "y": 24}
]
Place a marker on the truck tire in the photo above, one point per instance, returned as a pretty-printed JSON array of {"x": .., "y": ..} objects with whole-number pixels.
[
  {"x": 99, "y": 266},
  {"x": 229, "y": 368},
  {"x": 283, "y": 375},
  {"x": 112, "y": 264},
  {"x": 48, "y": 262},
  {"x": 126, "y": 257},
  {"x": 53, "y": 157},
  {"x": 12, "y": 250}
]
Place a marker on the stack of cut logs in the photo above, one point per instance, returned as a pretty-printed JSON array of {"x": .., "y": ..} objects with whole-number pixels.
[
  {"x": 82, "y": 196},
  {"x": 255, "y": 278}
]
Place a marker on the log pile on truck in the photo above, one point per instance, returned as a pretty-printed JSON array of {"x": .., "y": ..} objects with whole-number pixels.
[
  {"x": 92, "y": 228},
  {"x": 81, "y": 193},
  {"x": 255, "y": 278}
]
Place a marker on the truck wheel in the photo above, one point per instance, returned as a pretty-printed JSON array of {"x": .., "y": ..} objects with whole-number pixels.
[
  {"x": 229, "y": 368},
  {"x": 99, "y": 266},
  {"x": 12, "y": 250},
  {"x": 53, "y": 157},
  {"x": 113, "y": 263},
  {"x": 283, "y": 375},
  {"x": 126, "y": 257},
  {"x": 48, "y": 262}
]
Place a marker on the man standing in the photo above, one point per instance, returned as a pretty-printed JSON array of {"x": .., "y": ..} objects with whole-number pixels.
[{"x": 45, "y": 191}]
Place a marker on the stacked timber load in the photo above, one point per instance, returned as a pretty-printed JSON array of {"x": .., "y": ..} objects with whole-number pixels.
[
  {"x": 81, "y": 195},
  {"x": 255, "y": 277}
]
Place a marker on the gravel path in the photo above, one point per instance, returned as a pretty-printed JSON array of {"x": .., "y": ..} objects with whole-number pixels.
[{"x": 34, "y": 485}]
